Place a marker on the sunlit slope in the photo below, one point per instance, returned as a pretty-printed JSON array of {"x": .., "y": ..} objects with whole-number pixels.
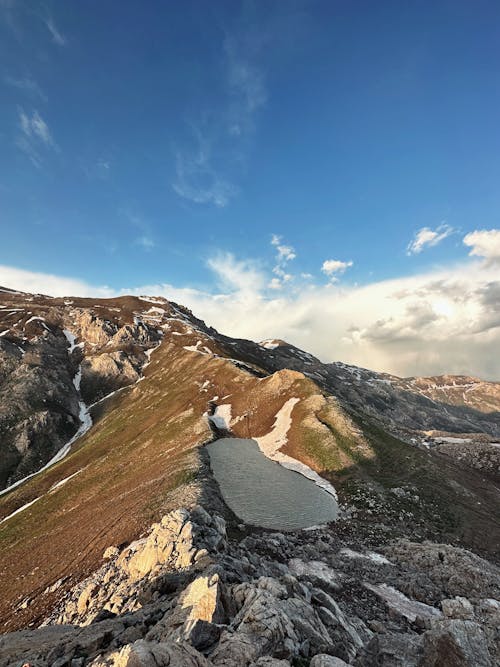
[{"x": 121, "y": 475}]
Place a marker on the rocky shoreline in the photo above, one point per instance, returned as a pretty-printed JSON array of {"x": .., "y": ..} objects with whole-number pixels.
[{"x": 197, "y": 593}]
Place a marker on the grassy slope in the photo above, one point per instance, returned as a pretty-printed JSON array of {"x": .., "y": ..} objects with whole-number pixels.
[
  {"x": 143, "y": 447},
  {"x": 139, "y": 451}
]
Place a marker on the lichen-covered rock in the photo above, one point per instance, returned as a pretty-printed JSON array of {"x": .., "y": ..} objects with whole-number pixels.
[
  {"x": 456, "y": 643},
  {"x": 147, "y": 654},
  {"x": 324, "y": 660},
  {"x": 147, "y": 567},
  {"x": 458, "y": 607}
]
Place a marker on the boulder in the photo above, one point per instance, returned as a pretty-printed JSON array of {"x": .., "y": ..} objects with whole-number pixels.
[
  {"x": 456, "y": 643},
  {"x": 146, "y": 654},
  {"x": 324, "y": 660}
]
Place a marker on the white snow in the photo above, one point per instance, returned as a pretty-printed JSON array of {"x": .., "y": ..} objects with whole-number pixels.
[
  {"x": 57, "y": 485},
  {"x": 222, "y": 416},
  {"x": 276, "y": 438},
  {"x": 271, "y": 443},
  {"x": 21, "y": 509},
  {"x": 371, "y": 555},
  {"x": 196, "y": 348},
  {"x": 148, "y": 354},
  {"x": 23, "y": 352},
  {"x": 153, "y": 299},
  {"x": 85, "y": 424},
  {"x": 111, "y": 393},
  {"x": 269, "y": 344},
  {"x": 71, "y": 338},
  {"x": 35, "y": 317},
  {"x": 4, "y": 332}
]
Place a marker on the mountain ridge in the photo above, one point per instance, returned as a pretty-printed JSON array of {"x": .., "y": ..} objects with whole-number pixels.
[{"x": 153, "y": 408}]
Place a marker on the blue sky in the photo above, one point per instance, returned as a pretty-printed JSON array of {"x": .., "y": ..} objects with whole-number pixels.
[{"x": 167, "y": 144}]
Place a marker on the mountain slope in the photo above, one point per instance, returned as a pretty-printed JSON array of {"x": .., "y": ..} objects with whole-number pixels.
[{"x": 143, "y": 454}]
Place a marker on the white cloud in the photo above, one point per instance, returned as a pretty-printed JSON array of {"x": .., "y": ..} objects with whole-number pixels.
[
  {"x": 196, "y": 178},
  {"x": 275, "y": 283},
  {"x": 435, "y": 322},
  {"x": 285, "y": 252},
  {"x": 333, "y": 267},
  {"x": 214, "y": 151},
  {"x": 26, "y": 85},
  {"x": 242, "y": 276},
  {"x": 427, "y": 237},
  {"x": 35, "y": 135},
  {"x": 484, "y": 243},
  {"x": 145, "y": 242},
  {"x": 57, "y": 36},
  {"x": 46, "y": 283},
  {"x": 35, "y": 126}
]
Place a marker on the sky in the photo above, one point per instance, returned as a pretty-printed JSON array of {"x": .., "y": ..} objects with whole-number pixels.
[{"x": 325, "y": 172}]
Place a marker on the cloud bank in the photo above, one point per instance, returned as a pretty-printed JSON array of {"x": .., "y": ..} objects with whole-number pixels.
[{"x": 443, "y": 321}]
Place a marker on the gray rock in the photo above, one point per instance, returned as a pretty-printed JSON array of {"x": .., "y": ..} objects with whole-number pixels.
[
  {"x": 324, "y": 660},
  {"x": 456, "y": 643},
  {"x": 458, "y": 607}
]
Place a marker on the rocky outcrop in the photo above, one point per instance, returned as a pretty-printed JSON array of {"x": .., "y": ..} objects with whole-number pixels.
[
  {"x": 188, "y": 596},
  {"x": 45, "y": 343}
]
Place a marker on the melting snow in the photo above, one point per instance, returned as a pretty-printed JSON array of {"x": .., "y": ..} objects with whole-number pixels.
[
  {"x": 222, "y": 417},
  {"x": 57, "y": 485},
  {"x": 269, "y": 344},
  {"x": 271, "y": 443},
  {"x": 71, "y": 340},
  {"x": 371, "y": 555},
  {"x": 21, "y": 509}
]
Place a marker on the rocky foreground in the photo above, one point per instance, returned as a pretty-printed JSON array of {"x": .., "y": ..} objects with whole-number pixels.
[{"x": 190, "y": 596}]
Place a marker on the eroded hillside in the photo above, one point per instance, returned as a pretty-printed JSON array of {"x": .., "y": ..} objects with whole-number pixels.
[{"x": 153, "y": 384}]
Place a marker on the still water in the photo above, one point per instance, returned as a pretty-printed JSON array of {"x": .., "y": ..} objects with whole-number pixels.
[{"x": 264, "y": 493}]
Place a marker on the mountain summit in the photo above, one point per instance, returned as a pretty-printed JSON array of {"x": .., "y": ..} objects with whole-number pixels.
[{"x": 106, "y": 406}]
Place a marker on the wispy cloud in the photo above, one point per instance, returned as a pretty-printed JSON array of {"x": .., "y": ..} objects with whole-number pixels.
[
  {"x": 428, "y": 323},
  {"x": 197, "y": 179},
  {"x": 242, "y": 276},
  {"x": 145, "y": 239},
  {"x": 57, "y": 36},
  {"x": 427, "y": 238},
  {"x": 285, "y": 253},
  {"x": 26, "y": 85},
  {"x": 145, "y": 242},
  {"x": 34, "y": 136},
  {"x": 214, "y": 151}
]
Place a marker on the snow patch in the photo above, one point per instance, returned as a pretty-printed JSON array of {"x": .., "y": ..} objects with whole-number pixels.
[
  {"x": 271, "y": 443},
  {"x": 371, "y": 555},
  {"x": 71, "y": 338},
  {"x": 57, "y": 485},
  {"x": 21, "y": 509},
  {"x": 221, "y": 417},
  {"x": 269, "y": 344}
]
